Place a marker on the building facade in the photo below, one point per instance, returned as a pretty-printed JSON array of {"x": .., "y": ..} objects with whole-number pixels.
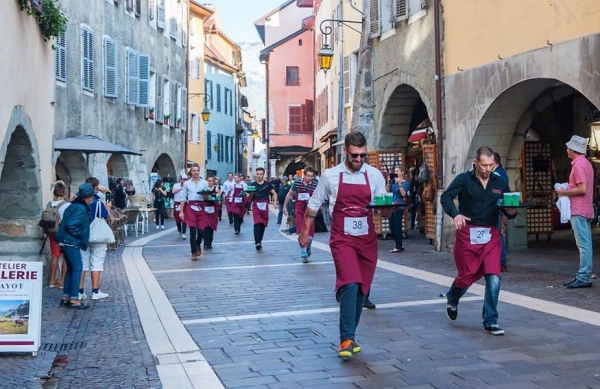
[
  {"x": 289, "y": 59},
  {"x": 26, "y": 128},
  {"x": 121, "y": 76}
]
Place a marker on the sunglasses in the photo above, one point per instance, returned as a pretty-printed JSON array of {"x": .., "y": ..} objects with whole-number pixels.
[{"x": 362, "y": 156}]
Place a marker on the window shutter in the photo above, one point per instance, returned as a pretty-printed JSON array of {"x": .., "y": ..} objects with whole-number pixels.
[
  {"x": 401, "y": 13},
  {"x": 166, "y": 98},
  {"x": 138, "y": 8},
  {"x": 159, "y": 109},
  {"x": 212, "y": 100},
  {"x": 173, "y": 28},
  {"x": 173, "y": 106},
  {"x": 295, "y": 119},
  {"x": 303, "y": 118},
  {"x": 151, "y": 8},
  {"x": 111, "y": 79},
  {"x": 144, "y": 80},
  {"x": 310, "y": 115},
  {"x": 230, "y": 103},
  {"x": 133, "y": 69},
  {"x": 184, "y": 109},
  {"x": 208, "y": 145},
  {"x": 346, "y": 80},
  {"x": 226, "y": 90},
  {"x": 88, "y": 59},
  {"x": 374, "y": 18},
  {"x": 61, "y": 57},
  {"x": 195, "y": 133},
  {"x": 218, "y": 98},
  {"x": 160, "y": 20},
  {"x": 129, "y": 6}
]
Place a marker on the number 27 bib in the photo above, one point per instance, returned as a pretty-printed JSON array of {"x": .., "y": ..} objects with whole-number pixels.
[
  {"x": 480, "y": 235},
  {"x": 356, "y": 226}
]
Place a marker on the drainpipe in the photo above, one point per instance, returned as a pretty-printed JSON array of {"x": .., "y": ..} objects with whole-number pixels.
[
  {"x": 341, "y": 122},
  {"x": 187, "y": 101},
  {"x": 439, "y": 121}
]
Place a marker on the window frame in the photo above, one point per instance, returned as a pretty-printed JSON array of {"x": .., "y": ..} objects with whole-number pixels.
[{"x": 289, "y": 81}]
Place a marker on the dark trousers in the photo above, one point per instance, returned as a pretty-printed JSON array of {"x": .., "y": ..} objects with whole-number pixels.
[
  {"x": 352, "y": 301},
  {"x": 412, "y": 211},
  {"x": 396, "y": 226},
  {"x": 220, "y": 213},
  {"x": 196, "y": 236},
  {"x": 259, "y": 232},
  {"x": 248, "y": 207},
  {"x": 209, "y": 234},
  {"x": 237, "y": 222},
  {"x": 181, "y": 226},
  {"x": 159, "y": 214},
  {"x": 230, "y": 215}
]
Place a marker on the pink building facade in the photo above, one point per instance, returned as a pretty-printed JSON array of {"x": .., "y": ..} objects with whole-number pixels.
[{"x": 289, "y": 60}]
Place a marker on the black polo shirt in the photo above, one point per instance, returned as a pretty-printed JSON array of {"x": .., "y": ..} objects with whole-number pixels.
[
  {"x": 262, "y": 190},
  {"x": 475, "y": 202}
]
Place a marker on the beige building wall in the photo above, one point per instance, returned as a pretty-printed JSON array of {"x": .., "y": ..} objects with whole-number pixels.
[
  {"x": 506, "y": 27},
  {"x": 27, "y": 125}
]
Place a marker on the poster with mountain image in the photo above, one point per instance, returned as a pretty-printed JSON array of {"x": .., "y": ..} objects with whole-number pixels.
[{"x": 14, "y": 317}]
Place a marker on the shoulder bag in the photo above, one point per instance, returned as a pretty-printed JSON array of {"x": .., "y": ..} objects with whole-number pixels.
[{"x": 100, "y": 231}]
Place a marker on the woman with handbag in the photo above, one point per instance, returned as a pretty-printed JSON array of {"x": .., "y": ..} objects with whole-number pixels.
[
  {"x": 100, "y": 235},
  {"x": 159, "y": 194}
]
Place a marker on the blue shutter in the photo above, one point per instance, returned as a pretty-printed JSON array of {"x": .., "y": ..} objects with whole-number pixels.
[
  {"x": 144, "y": 80},
  {"x": 132, "y": 77},
  {"x": 111, "y": 79}
]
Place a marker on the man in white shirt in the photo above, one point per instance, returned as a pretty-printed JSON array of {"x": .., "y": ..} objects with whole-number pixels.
[
  {"x": 227, "y": 192},
  {"x": 191, "y": 202},
  {"x": 177, "y": 199},
  {"x": 350, "y": 187}
]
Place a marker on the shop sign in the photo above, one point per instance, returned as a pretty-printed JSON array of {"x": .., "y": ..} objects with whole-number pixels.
[{"x": 591, "y": 113}]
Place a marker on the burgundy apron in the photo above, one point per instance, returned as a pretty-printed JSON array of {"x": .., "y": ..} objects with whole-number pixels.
[
  {"x": 237, "y": 203},
  {"x": 353, "y": 239},
  {"x": 304, "y": 194},
  {"x": 177, "y": 210},
  {"x": 210, "y": 215},
  {"x": 477, "y": 251},
  {"x": 194, "y": 214},
  {"x": 260, "y": 211}
]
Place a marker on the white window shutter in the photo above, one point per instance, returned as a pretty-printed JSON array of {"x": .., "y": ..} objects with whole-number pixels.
[
  {"x": 111, "y": 79},
  {"x": 173, "y": 107},
  {"x": 159, "y": 109},
  {"x": 183, "y": 109},
  {"x": 88, "y": 59},
  {"x": 61, "y": 57},
  {"x": 132, "y": 77},
  {"x": 144, "y": 80},
  {"x": 160, "y": 15},
  {"x": 374, "y": 26},
  {"x": 195, "y": 128},
  {"x": 401, "y": 10},
  {"x": 166, "y": 98}
]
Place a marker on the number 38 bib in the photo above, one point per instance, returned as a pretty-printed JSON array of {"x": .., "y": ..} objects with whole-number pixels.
[
  {"x": 480, "y": 235},
  {"x": 356, "y": 226}
]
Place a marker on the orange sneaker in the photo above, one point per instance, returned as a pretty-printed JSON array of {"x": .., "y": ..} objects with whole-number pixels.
[{"x": 347, "y": 349}]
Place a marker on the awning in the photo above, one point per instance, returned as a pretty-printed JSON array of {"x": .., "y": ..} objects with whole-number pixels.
[
  {"x": 420, "y": 134},
  {"x": 89, "y": 144}
]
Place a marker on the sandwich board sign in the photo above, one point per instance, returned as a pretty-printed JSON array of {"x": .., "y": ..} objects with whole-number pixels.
[{"x": 20, "y": 306}]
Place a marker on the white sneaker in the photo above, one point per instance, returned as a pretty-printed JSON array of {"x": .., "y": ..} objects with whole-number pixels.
[
  {"x": 82, "y": 296},
  {"x": 183, "y": 236},
  {"x": 157, "y": 227},
  {"x": 99, "y": 295},
  {"x": 163, "y": 227}
]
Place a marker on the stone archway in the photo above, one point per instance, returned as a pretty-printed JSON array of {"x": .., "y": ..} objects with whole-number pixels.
[
  {"x": 165, "y": 167},
  {"x": 70, "y": 168},
  {"x": 117, "y": 166}
]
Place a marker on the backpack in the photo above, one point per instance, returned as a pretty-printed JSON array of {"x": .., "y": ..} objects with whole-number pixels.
[
  {"x": 423, "y": 175},
  {"x": 51, "y": 218}
]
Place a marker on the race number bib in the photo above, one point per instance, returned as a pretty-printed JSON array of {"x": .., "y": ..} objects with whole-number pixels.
[
  {"x": 237, "y": 200},
  {"x": 261, "y": 206},
  {"x": 209, "y": 209},
  {"x": 195, "y": 208},
  {"x": 303, "y": 196},
  {"x": 480, "y": 235},
  {"x": 356, "y": 226}
]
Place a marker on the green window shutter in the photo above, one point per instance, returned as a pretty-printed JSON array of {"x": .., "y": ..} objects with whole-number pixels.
[{"x": 144, "y": 80}]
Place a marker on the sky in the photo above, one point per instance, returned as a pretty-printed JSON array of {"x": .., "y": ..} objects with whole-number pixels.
[{"x": 238, "y": 16}]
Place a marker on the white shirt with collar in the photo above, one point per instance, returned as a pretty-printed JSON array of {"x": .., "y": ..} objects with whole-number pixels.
[
  {"x": 228, "y": 187},
  {"x": 329, "y": 183},
  {"x": 190, "y": 190},
  {"x": 178, "y": 197}
]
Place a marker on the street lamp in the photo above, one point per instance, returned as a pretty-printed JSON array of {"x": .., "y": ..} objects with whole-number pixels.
[
  {"x": 326, "y": 54},
  {"x": 245, "y": 152},
  {"x": 205, "y": 112}
]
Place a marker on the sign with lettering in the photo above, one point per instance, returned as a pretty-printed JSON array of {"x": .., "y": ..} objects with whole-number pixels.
[{"x": 20, "y": 306}]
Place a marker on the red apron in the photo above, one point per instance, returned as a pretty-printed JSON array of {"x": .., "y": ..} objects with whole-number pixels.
[
  {"x": 210, "y": 215},
  {"x": 194, "y": 214},
  {"x": 353, "y": 239},
  {"x": 260, "y": 211},
  {"x": 304, "y": 194},
  {"x": 475, "y": 260},
  {"x": 237, "y": 203},
  {"x": 177, "y": 210}
]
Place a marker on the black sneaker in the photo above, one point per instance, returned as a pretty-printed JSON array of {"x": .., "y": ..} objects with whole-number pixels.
[
  {"x": 258, "y": 247},
  {"x": 369, "y": 304},
  {"x": 494, "y": 330},
  {"x": 451, "y": 312}
]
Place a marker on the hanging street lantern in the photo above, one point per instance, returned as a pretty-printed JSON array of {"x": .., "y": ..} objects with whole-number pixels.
[
  {"x": 205, "y": 115},
  {"x": 325, "y": 57}
]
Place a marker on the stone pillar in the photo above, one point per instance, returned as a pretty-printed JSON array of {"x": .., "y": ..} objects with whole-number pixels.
[{"x": 273, "y": 167}]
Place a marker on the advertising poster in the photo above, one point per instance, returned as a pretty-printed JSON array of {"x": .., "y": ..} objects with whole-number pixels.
[{"x": 20, "y": 306}]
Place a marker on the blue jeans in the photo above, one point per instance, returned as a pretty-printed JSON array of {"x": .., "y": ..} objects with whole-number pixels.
[
  {"x": 396, "y": 226},
  {"x": 583, "y": 238},
  {"x": 503, "y": 240},
  {"x": 351, "y": 305},
  {"x": 280, "y": 214},
  {"x": 490, "y": 300},
  {"x": 74, "y": 269}
]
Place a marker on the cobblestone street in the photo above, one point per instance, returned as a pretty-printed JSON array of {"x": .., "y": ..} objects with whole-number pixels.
[{"x": 238, "y": 318}]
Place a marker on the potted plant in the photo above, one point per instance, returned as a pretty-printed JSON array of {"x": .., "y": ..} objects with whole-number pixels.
[
  {"x": 178, "y": 123},
  {"x": 166, "y": 119},
  {"x": 151, "y": 113}
]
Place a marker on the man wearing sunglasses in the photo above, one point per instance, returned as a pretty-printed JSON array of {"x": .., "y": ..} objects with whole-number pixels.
[{"x": 350, "y": 187}]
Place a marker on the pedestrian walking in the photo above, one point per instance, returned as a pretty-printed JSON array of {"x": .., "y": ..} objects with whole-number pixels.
[
  {"x": 400, "y": 187},
  {"x": 177, "y": 200},
  {"x": 302, "y": 190},
  {"x": 281, "y": 194},
  {"x": 260, "y": 205},
  {"x": 120, "y": 194},
  {"x": 477, "y": 246},
  {"x": 227, "y": 193},
  {"x": 158, "y": 199},
  {"x": 210, "y": 218},
  {"x": 191, "y": 210},
  {"x": 499, "y": 170},
  {"x": 350, "y": 187},
  {"x": 59, "y": 201},
  {"x": 237, "y": 202},
  {"x": 580, "y": 192},
  {"x": 73, "y": 236}
]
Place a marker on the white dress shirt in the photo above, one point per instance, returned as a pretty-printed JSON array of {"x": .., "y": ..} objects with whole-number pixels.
[
  {"x": 330, "y": 182},
  {"x": 228, "y": 187},
  {"x": 178, "y": 197},
  {"x": 190, "y": 190}
]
